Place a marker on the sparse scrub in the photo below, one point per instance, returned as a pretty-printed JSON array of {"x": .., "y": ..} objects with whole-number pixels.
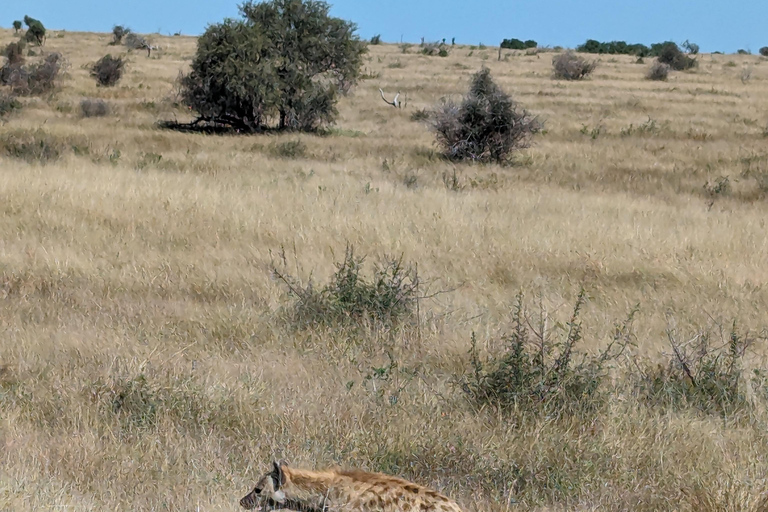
[
  {"x": 703, "y": 372},
  {"x": 108, "y": 70},
  {"x": 658, "y": 71},
  {"x": 420, "y": 114},
  {"x": 434, "y": 49},
  {"x": 488, "y": 126},
  {"x": 538, "y": 373},
  {"x": 388, "y": 298},
  {"x": 8, "y": 104},
  {"x": 288, "y": 149},
  {"x": 260, "y": 91},
  {"x": 569, "y": 66},
  {"x": 90, "y": 107},
  {"x": 32, "y": 146}
]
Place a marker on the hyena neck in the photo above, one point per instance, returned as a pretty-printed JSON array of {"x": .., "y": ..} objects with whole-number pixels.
[{"x": 311, "y": 488}]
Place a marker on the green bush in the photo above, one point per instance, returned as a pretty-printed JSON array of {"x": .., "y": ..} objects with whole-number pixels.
[
  {"x": 614, "y": 47},
  {"x": 108, "y": 70},
  {"x": 764, "y": 51},
  {"x": 16, "y": 26},
  {"x": 284, "y": 64},
  {"x": 376, "y": 39},
  {"x": 35, "y": 31},
  {"x": 538, "y": 373},
  {"x": 388, "y": 298},
  {"x": 517, "y": 44},
  {"x": 569, "y": 66},
  {"x": 488, "y": 126}
]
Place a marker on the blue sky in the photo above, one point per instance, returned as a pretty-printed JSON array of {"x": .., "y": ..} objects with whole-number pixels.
[{"x": 714, "y": 25}]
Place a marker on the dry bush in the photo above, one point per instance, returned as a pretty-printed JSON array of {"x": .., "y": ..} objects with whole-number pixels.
[
  {"x": 108, "y": 70},
  {"x": 34, "y": 79},
  {"x": 134, "y": 41},
  {"x": 14, "y": 52},
  {"x": 658, "y": 71},
  {"x": 488, "y": 126},
  {"x": 90, "y": 107},
  {"x": 570, "y": 66},
  {"x": 675, "y": 58}
]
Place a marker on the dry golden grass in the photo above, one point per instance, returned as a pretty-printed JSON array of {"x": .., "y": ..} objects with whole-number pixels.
[{"x": 145, "y": 362}]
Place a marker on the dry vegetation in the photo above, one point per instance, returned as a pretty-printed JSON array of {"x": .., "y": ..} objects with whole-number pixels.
[{"x": 148, "y": 358}]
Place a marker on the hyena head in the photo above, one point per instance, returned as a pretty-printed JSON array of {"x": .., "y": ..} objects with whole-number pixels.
[{"x": 268, "y": 489}]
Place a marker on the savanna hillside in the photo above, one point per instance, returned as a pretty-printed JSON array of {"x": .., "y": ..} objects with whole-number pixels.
[{"x": 150, "y": 360}]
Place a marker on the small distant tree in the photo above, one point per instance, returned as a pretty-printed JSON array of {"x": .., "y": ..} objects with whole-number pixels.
[
  {"x": 691, "y": 48},
  {"x": 376, "y": 39},
  {"x": 118, "y": 32},
  {"x": 764, "y": 51},
  {"x": 570, "y": 66},
  {"x": 35, "y": 31},
  {"x": 108, "y": 70},
  {"x": 486, "y": 127},
  {"x": 286, "y": 61},
  {"x": 16, "y": 26}
]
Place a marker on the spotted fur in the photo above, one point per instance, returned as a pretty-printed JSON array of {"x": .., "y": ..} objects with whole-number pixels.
[{"x": 343, "y": 491}]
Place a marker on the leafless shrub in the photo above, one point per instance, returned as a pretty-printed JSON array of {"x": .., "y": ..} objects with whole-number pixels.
[
  {"x": 486, "y": 127},
  {"x": 570, "y": 66},
  {"x": 658, "y": 71}
]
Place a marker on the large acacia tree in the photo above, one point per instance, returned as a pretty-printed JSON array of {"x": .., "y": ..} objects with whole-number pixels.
[{"x": 283, "y": 65}]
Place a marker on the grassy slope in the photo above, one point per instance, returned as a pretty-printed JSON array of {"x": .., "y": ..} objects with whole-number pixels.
[{"x": 145, "y": 281}]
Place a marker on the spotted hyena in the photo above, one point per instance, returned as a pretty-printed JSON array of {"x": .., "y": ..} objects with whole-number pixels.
[{"x": 343, "y": 491}]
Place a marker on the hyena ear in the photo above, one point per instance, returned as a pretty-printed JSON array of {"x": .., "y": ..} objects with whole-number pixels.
[{"x": 278, "y": 474}]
